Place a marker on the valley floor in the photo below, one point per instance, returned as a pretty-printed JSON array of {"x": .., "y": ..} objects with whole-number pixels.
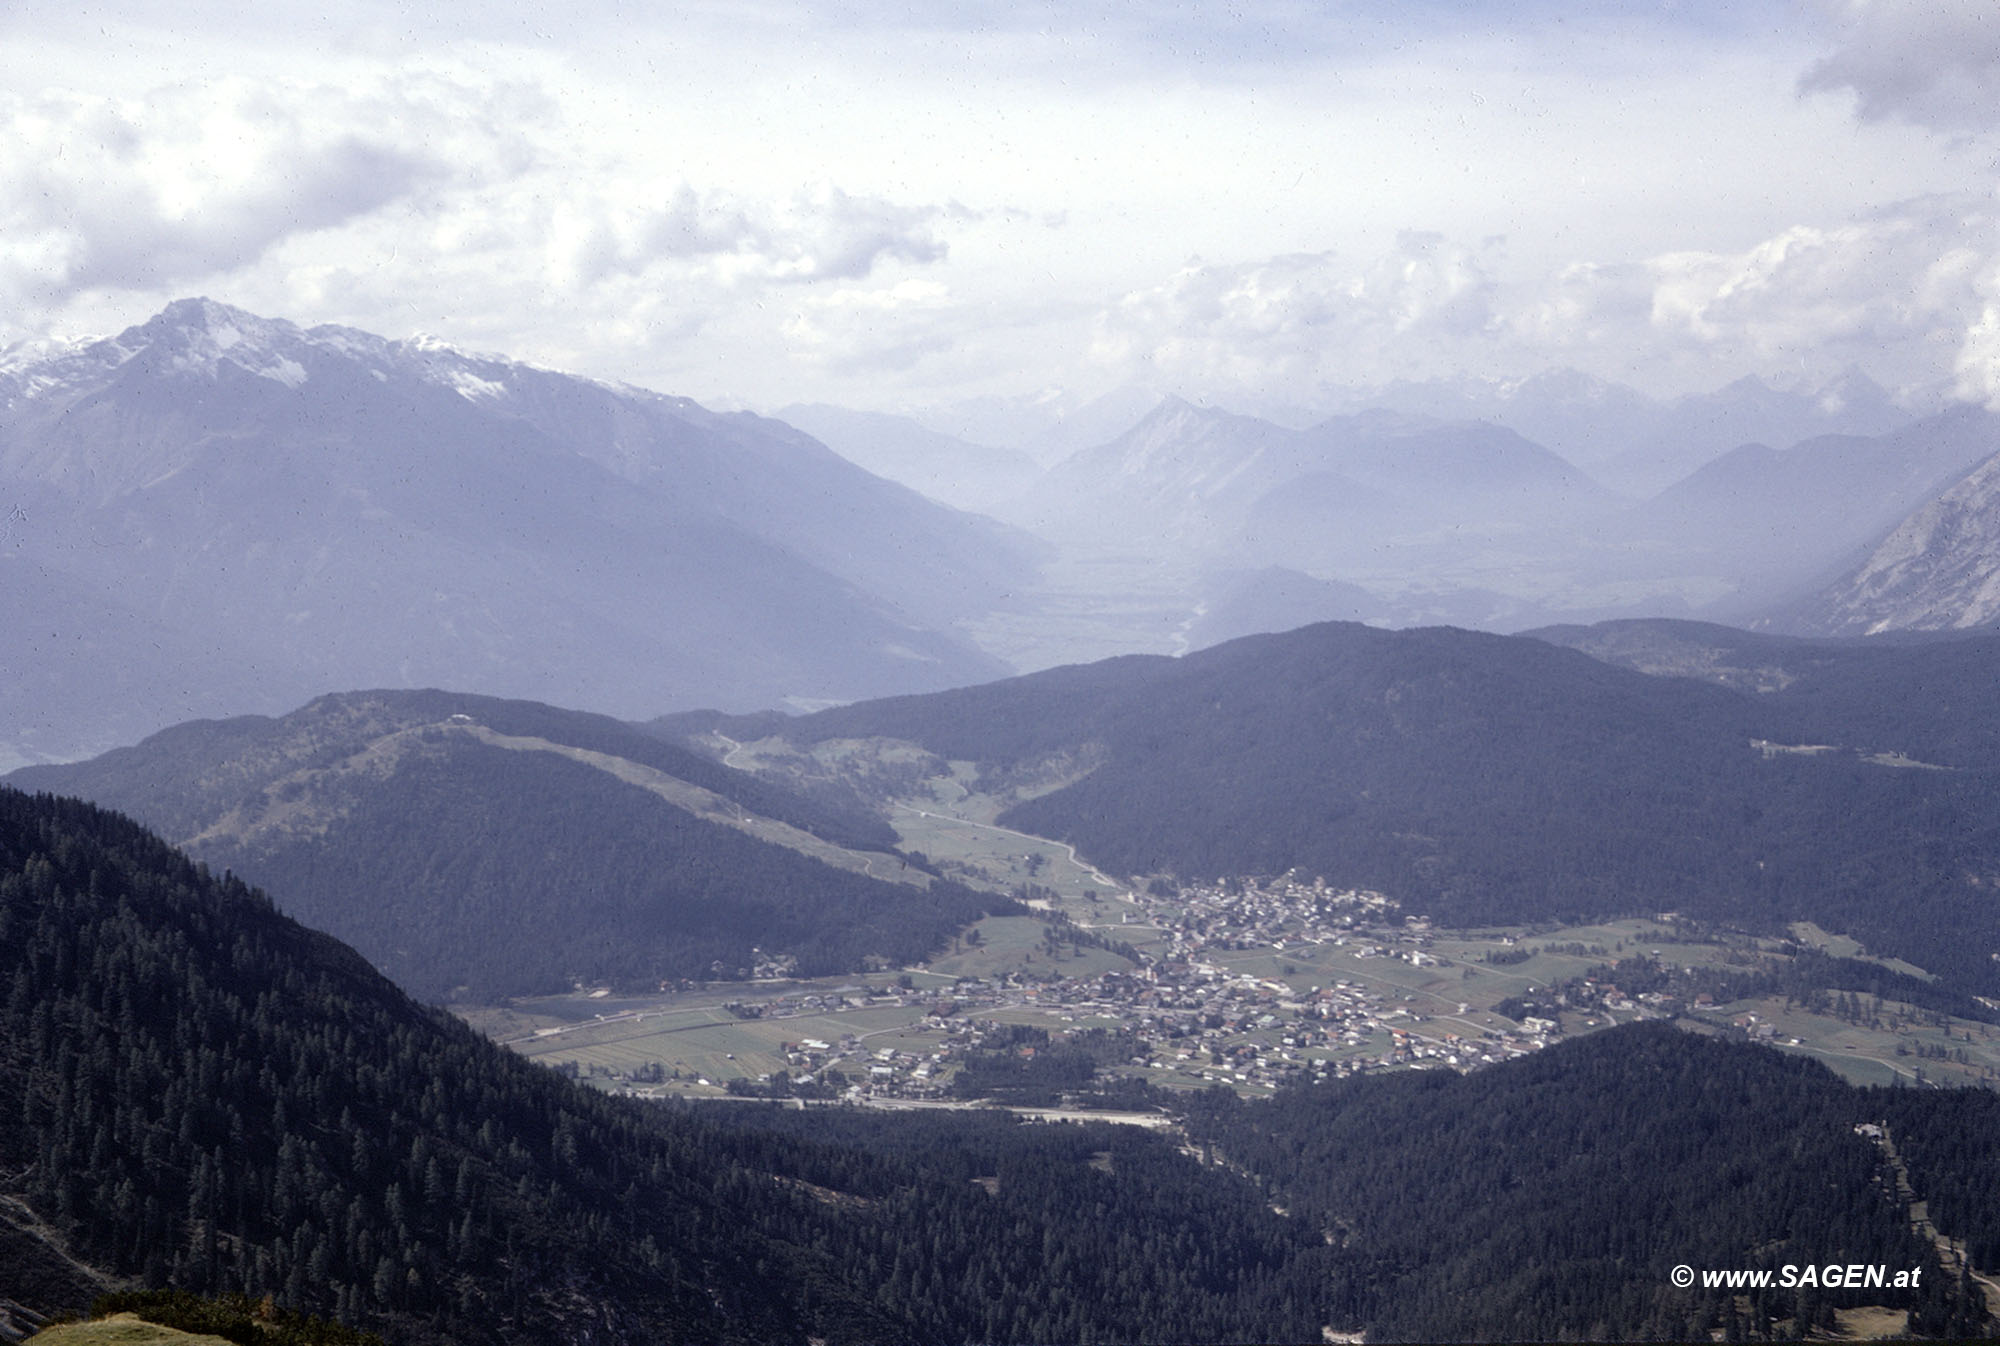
[{"x": 1246, "y": 983}]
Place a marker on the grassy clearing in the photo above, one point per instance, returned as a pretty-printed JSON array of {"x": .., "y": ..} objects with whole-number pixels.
[
  {"x": 122, "y": 1329},
  {"x": 1905, "y": 1049},
  {"x": 1842, "y": 946},
  {"x": 1002, "y": 944},
  {"x": 719, "y": 1047}
]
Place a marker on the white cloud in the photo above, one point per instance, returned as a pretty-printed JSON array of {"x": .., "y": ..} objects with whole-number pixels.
[
  {"x": 822, "y": 233},
  {"x": 1930, "y": 62},
  {"x": 1901, "y": 292},
  {"x": 1895, "y": 291},
  {"x": 1286, "y": 324},
  {"x": 1978, "y": 365},
  {"x": 726, "y": 200},
  {"x": 890, "y": 328},
  {"x": 184, "y": 183}
]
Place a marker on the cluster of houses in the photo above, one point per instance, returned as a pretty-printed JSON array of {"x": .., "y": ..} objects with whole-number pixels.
[
  {"x": 1258, "y": 914},
  {"x": 1189, "y": 1018}
]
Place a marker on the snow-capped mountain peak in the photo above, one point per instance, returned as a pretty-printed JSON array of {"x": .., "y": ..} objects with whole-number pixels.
[{"x": 198, "y": 336}]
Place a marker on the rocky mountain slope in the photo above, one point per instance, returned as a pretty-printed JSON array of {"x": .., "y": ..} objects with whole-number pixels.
[
  {"x": 213, "y": 503},
  {"x": 1937, "y": 570}
]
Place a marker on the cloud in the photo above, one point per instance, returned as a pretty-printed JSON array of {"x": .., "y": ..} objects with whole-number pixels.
[
  {"x": 1300, "y": 319},
  {"x": 1911, "y": 292},
  {"x": 820, "y": 234},
  {"x": 1978, "y": 365},
  {"x": 1869, "y": 284},
  {"x": 891, "y": 329},
  {"x": 184, "y": 183},
  {"x": 1934, "y": 63}
]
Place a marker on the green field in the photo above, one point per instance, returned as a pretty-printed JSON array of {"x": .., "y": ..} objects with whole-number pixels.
[
  {"x": 708, "y": 1042},
  {"x": 119, "y": 1330}
]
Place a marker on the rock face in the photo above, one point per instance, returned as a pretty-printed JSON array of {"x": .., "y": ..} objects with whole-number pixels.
[
  {"x": 1938, "y": 570},
  {"x": 215, "y": 513}
]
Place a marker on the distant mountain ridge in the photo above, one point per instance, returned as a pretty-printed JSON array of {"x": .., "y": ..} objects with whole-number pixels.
[
  {"x": 475, "y": 848},
  {"x": 1641, "y": 444},
  {"x": 1482, "y": 778},
  {"x": 1806, "y": 511},
  {"x": 1206, "y": 478},
  {"x": 943, "y": 467},
  {"x": 1470, "y": 522},
  {"x": 328, "y": 508}
]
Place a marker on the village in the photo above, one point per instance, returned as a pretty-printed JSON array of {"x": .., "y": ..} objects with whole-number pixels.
[{"x": 1245, "y": 984}]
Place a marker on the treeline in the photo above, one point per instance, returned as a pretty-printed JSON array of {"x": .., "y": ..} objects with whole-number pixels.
[
  {"x": 233, "y": 1317},
  {"x": 182, "y": 780}
]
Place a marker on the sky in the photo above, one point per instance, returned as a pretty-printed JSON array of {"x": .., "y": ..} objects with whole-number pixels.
[{"x": 892, "y": 206}]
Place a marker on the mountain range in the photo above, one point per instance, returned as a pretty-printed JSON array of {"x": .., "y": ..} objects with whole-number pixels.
[
  {"x": 1469, "y": 522},
  {"x": 218, "y": 1073},
  {"x": 1484, "y": 779},
  {"x": 1638, "y": 444},
  {"x": 1774, "y": 523},
  {"x": 475, "y": 848},
  {"x": 215, "y": 513},
  {"x": 1208, "y": 480}
]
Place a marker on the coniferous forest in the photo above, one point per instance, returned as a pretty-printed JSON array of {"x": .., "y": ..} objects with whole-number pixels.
[
  {"x": 470, "y": 871},
  {"x": 1500, "y": 779},
  {"x": 205, "y": 1095}
]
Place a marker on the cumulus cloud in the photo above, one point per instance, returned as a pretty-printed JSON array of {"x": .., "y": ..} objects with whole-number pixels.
[
  {"x": 1931, "y": 62},
  {"x": 892, "y": 329},
  {"x": 1911, "y": 292},
  {"x": 184, "y": 183},
  {"x": 1978, "y": 367},
  {"x": 1301, "y": 318},
  {"x": 1872, "y": 284},
  {"x": 820, "y": 234}
]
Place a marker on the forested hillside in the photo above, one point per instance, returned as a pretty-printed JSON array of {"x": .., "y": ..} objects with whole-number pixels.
[
  {"x": 209, "y": 1096},
  {"x": 474, "y": 848},
  {"x": 205, "y": 1094},
  {"x": 1480, "y": 778},
  {"x": 1551, "y": 1198}
]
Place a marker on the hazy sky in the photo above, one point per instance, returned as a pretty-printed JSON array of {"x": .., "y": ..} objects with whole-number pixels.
[{"x": 890, "y": 205}]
